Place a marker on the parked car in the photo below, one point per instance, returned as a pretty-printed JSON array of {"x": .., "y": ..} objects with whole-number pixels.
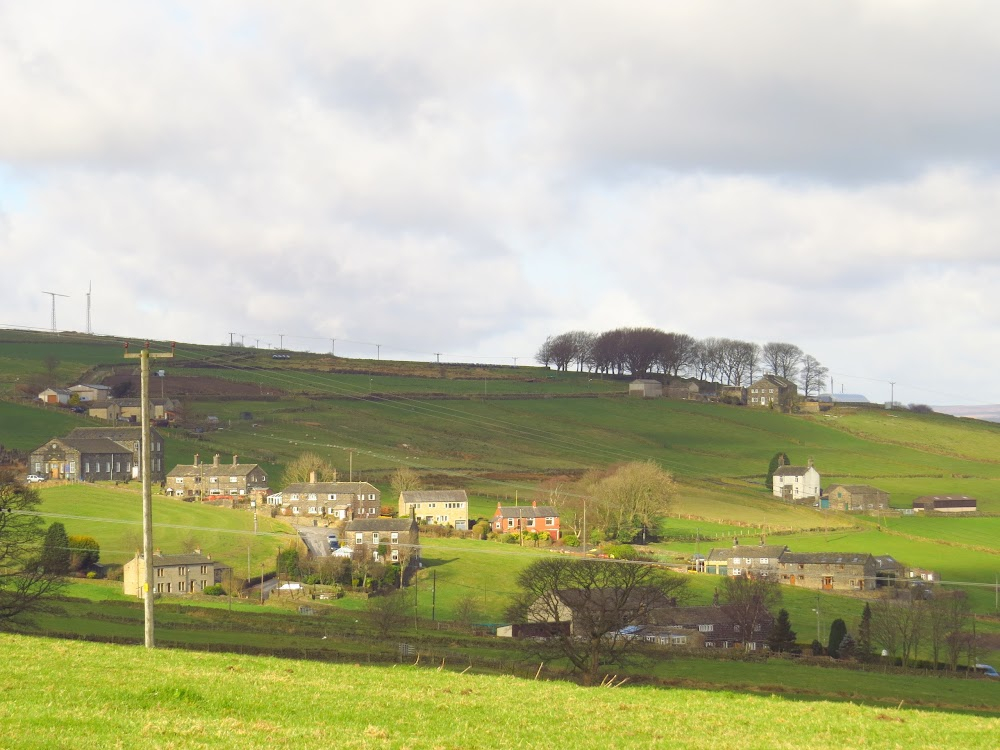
[
  {"x": 78, "y": 410},
  {"x": 987, "y": 671},
  {"x": 32, "y": 478}
]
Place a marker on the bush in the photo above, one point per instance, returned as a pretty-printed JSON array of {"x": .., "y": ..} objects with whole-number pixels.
[
  {"x": 214, "y": 590},
  {"x": 91, "y": 575},
  {"x": 481, "y": 529},
  {"x": 571, "y": 540}
]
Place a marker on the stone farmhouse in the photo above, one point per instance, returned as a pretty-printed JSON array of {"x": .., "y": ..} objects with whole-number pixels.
[
  {"x": 856, "y": 497},
  {"x": 393, "y": 540},
  {"x": 441, "y": 507},
  {"x": 200, "y": 480},
  {"x": 771, "y": 391},
  {"x": 645, "y": 388},
  {"x": 172, "y": 574},
  {"x": 745, "y": 559}
]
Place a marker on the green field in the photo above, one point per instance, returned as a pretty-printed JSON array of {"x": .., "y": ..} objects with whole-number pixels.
[
  {"x": 80, "y": 695},
  {"x": 113, "y": 516}
]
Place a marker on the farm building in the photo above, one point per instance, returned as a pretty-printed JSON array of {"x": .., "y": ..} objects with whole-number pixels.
[
  {"x": 856, "y": 497},
  {"x": 945, "y": 504}
]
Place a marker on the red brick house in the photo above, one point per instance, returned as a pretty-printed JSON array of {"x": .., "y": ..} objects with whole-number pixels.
[{"x": 512, "y": 519}]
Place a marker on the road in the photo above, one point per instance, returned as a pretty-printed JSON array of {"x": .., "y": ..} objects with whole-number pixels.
[{"x": 316, "y": 540}]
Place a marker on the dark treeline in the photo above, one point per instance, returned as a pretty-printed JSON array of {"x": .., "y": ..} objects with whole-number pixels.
[{"x": 643, "y": 351}]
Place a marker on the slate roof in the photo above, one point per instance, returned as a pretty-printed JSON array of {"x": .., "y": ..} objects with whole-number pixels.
[
  {"x": 434, "y": 496},
  {"x": 112, "y": 433},
  {"x": 944, "y": 501},
  {"x": 211, "y": 470},
  {"x": 843, "y": 398},
  {"x": 746, "y": 550},
  {"x": 526, "y": 511},
  {"x": 854, "y": 488},
  {"x": 777, "y": 380},
  {"x": 330, "y": 488},
  {"x": 97, "y": 446},
  {"x": 183, "y": 559},
  {"x": 381, "y": 524},
  {"x": 826, "y": 558}
]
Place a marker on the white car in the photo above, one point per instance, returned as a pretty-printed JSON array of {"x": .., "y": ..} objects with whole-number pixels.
[{"x": 35, "y": 478}]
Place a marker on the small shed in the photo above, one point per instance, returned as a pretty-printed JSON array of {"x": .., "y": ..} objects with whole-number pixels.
[{"x": 645, "y": 388}]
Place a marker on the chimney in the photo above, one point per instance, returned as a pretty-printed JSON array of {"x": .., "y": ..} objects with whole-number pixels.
[
  {"x": 534, "y": 503},
  {"x": 157, "y": 552},
  {"x": 215, "y": 460},
  {"x": 736, "y": 541},
  {"x": 235, "y": 459},
  {"x": 781, "y": 460},
  {"x": 810, "y": 464},
  {"x": 197, "y": 459},
  {"x": 498, "y": 505},
  {"x": 312, "y": 477}
]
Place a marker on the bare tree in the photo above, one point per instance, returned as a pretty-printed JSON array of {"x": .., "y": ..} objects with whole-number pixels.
[
  {"x": 898, "y": 626},
  {"x": 748, "y": 603},
  {"x": 676, "y": 353},
  {"x": 388, "y": 613},
  {"x": 583, "y": 343},
  {"x": 607, "y": 352},
  {"x": 300, "y": 469},
  {"x": 641, "y": 348},
  {"x": 601, "y": 600},
  {"x": 812, "y": 375},
  {"x": 781, "y": 359},
  {"x": 630, "y": 499},
  {"x": 405, "y": 479}
]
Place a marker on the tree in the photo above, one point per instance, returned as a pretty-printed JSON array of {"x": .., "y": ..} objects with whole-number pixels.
[
  {"x": 631, "y": 499},
  {"x": 838, "y": 629},
  {"x": 782, "y": 636},
  {"x": 301, "y": 469},
  {"x": 51, "y": 364},
  {"x": 600, "y": 599},
  {"x": 812, "y": 376},
  {"x": 405, "y": 479},
  {"x": 387, "y": 613},
  {"x": 23, "y": 580},
  {"x": 781, "y": 359},
  {"x": 776, "y": 461},
  {"x": 84, "y": 552},
  {"x": 468, "y": 611},
  {"x": 748, "y": 602},
  {"x": 55, "y": 550},
  {"x": 899, "y": 626},
  {"x": 863, "y": 648},
  {"x": 122, "y": 389}
]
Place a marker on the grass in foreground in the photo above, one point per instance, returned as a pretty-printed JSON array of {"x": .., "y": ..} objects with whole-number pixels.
[{"x": 70, "y": 694}]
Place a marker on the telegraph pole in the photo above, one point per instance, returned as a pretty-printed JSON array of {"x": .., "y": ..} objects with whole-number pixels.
[
  {"x": 147, "y": 491},
  {"x": 892, "y": 395}
]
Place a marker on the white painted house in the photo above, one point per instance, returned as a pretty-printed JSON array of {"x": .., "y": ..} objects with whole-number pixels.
[{"x": 796, "y": 482}]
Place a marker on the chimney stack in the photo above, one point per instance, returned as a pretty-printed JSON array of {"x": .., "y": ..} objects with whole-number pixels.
[
  {"x": 810, "y": 464},
  {"x": 215, "y": 460},
  {"x": 197, "y": 459},
  {"x": 197, "y": 550},
  {"x": 312, "y": 477},
  {"x": 534, "y": 503},
  {"x": 235, "y": 459}
]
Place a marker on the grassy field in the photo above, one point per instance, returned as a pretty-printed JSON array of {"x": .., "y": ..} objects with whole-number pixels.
[
  {"x": 108, "y": 696},
  {"x": 113, "y": 516}
]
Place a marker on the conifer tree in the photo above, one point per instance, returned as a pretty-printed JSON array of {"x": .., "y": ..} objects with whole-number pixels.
[{"x": 782, "y": 636}]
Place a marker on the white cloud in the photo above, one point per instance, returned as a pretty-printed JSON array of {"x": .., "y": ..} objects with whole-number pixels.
[{"x": 474, "y": 176}]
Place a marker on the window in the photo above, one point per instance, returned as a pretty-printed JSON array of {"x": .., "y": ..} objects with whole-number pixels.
[
  {"x": 108, "y": 466},
  {"x": 737, "y": 560},
  {"x": 371, "y": 497},
  {"x": 213, "y": 480},
  {"x": 764, "y": 560},
  {"x": 395, "y": 555},
  {"x": 159, "y": 572},
  {"x": 168, "y": 587},
  {"x": 180, "y": 480},
  {"x": 204, "y": 569},
  {"x": 736, "y": 628},
  {"x": 510, "y": 523},
  {"x": 72, "y": 467},
  {"x": 737, "y": 571},
  {"x": 550, "y": 520},
  {"x": 375, "y": 537},
  {"x": 118, "y": 465},
  {"x": 182, "y": 570},
  {"x": 233, "y": 480},
  {"x": 531, "y": 522},
  {"x": 359, "y": 538},
  {"x": 180, "y": 586},
  {"x": 678, "y": 640},
  {"x": 706, "y": 628},
  {"x": 394, "y": 537}
]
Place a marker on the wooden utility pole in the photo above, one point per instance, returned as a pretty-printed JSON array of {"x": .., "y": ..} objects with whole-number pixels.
[{"x": 147, "y": 489}]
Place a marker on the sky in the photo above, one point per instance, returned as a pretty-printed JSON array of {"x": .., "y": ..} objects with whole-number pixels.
[{"x": 469, "y": 178}]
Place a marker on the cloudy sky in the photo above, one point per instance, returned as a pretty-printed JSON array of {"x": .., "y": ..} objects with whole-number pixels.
[{"x": 469, "y": 177}]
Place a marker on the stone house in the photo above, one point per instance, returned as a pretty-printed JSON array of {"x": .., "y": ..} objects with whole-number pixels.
[
  {"x": 829, "y": 571},
  {"x": 857, "y": 497},
  {"x": 172, "y": 574},
  {"x": 90, "y": 392},
  {"x": 130, "y": 437},
  {"x": 756, "y": 561},
  {"x": 796, "y": 482},
  {"x": 513, "y": 519},
  {"x": 201, "y": 480},
  {"x": 340, "y": 501},
  {"x": 705, "y": 626},
  {"x": 131, "y": 408},
  {"x": 441, "y": 507},
  {"x": 772, "y": 391},
  {"x": 391, "y": 540}
]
